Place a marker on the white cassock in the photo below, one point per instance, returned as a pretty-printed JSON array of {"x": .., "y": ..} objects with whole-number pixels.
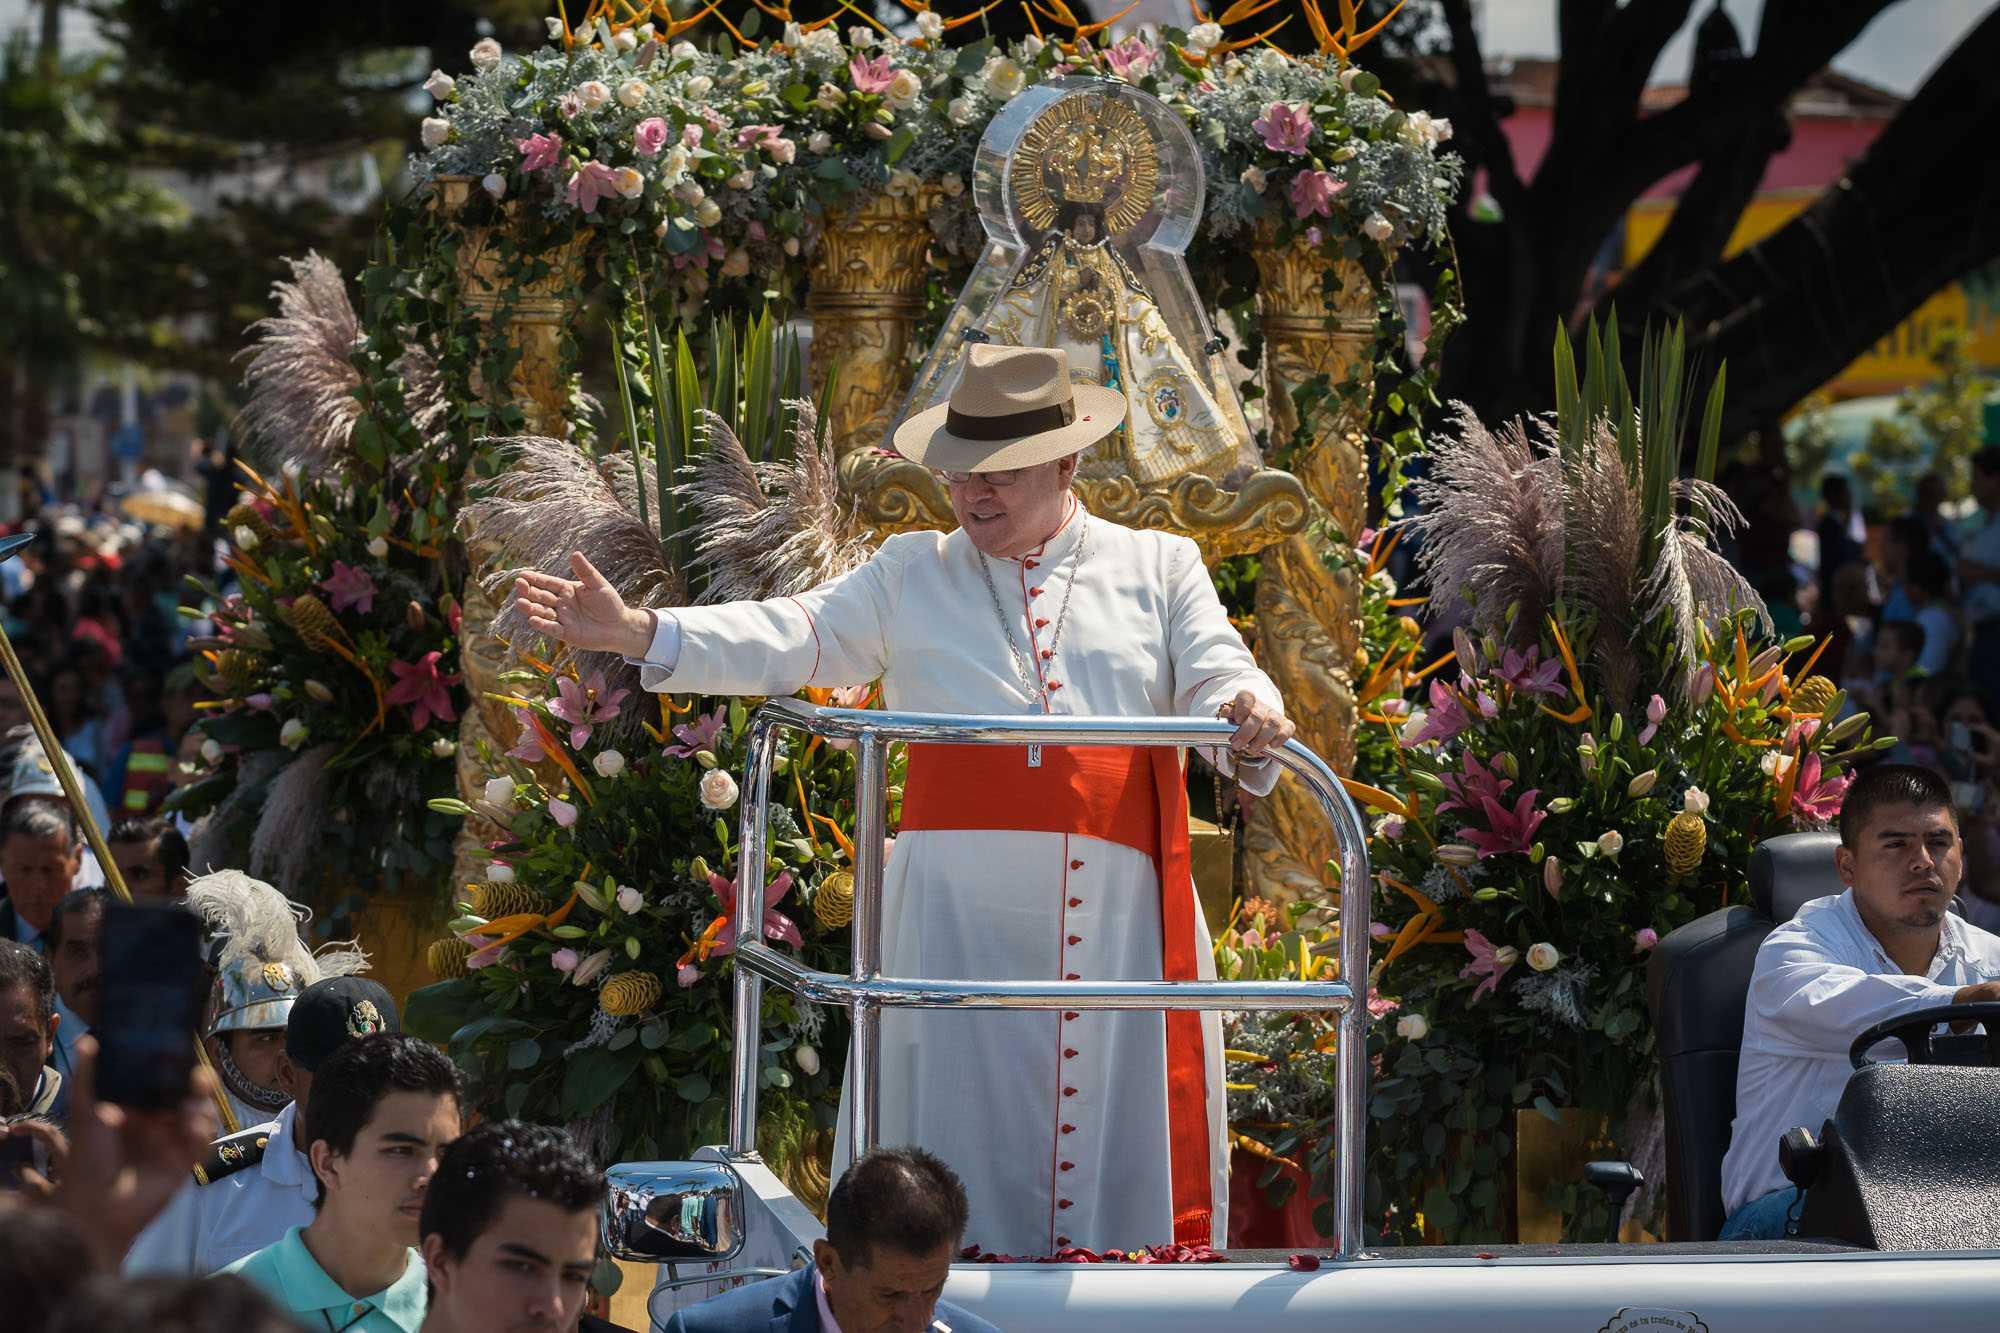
[{"x": 1060, "y": 1123}]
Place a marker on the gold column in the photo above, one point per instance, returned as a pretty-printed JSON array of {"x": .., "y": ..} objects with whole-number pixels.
[
  {"x": 1308, "y": 630},
  {"x": 527, "y": 302},
  {"x": 866, "y": 296}
]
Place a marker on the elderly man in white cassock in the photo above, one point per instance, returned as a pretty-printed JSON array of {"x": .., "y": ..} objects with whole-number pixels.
[{"x": 1102, "y": 1129}]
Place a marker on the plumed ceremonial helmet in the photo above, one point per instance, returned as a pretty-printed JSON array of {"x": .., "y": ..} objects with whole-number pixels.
[{"x": 261, "y": 963}]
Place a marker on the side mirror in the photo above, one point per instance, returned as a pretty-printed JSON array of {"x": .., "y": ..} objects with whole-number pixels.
[{"x": 673, "y": 1212}]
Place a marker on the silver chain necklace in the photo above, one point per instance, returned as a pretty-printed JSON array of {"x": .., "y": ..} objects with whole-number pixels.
[{"x": 1031, "y": 681}]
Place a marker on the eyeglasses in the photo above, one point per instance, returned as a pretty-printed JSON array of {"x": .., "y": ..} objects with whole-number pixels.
[{"x": 997, "y": 479}]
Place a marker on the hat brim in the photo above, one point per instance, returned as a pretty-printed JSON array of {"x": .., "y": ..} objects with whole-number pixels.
[{"x": 925, "y": 438}]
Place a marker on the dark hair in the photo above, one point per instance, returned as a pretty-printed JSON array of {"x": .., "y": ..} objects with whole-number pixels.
[
  {"x": 1889, "y": 784},
  {"x": 1987, "y": 460},
  {"x": 1929, "y": 572},
  {"x": 12, "y": 1103},
  {"x": 1906, "y": 632},
  {"x": 94, "y": 898},
  {"x": 1908, "y": 531},
  {"x": 169, "y": 843},
  {"x": 904, "y": 1198},
  {"x": 224, "y": 1303},
  {"x": 23, "y": 966},
  {"x": 38, "y": 819},
  {"x": 39, "y": 1271},
  {"x": 500, "y": 1160},
  {"x": 354, "y": 1080},
  {"x": 1834, "y": 487}
]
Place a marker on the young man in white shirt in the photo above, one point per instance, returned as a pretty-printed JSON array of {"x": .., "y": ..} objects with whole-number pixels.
[{"x": 1887, "y": 946}]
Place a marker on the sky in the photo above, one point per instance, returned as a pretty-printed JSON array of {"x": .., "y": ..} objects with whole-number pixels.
[{"x": 1894, "y": 52}]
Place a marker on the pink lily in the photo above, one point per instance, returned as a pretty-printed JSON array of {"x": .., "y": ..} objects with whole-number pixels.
[
  {"x": 584, "y": 704},
  {"x": 1508, "y": 830},
  {"x": 755, "y": 136},
  {"x": 871, "y": 76},
  {"x": 425, "y": 688},
  {"x": 1286, "y": 129},
  {"x": 1488, "y": 962},
  {"x": 539, "y": 152},
  {"x": 1473, "y": 784},
  {"x": 1130, "y": 59},
  {"x": 593, "y": 181},
  {"x": 1526, "y": 674},
  {"x": 528, "y": 749},
  {"x": 350, "y": 588},
  {"x": 1312, "y": 193},
  {"x": 1816, "y": 801},
  {"x": 1446, "y": 717},
  {"x": 777, "y": 925},
  {"x": 698, "y": 735},
  {"x": 1656, "y": 713}
]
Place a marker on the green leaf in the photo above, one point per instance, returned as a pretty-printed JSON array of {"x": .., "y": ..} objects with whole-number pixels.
[
  {"x": 693, "y": 1088},
  {"x": 899, "y": 144},
  {"x": 654, "y": 1034},
  {"x": 524, "y": 1054},
  {"x": 592, "y": 1077},
  {"x": 517, "y": 1097},
  {"x": 622, "y": 1038}
]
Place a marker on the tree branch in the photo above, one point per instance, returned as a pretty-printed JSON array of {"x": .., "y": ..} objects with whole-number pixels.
[
  {"x": 1475, "y": 119},
  {"x": 1916, "y": 212}
]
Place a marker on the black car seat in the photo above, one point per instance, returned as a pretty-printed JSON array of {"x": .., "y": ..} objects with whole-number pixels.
[{"x": 1696, "y": 983}]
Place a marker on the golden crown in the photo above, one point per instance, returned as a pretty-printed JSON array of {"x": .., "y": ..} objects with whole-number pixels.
[{"x": 1087, "y": 165}]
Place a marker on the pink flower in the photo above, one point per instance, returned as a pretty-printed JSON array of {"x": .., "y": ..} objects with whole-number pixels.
[
  {"x": 259, "y": 703},
  {"x": 1703, "y": 686},
  {"x": 528, "y": 749},
  {"x": 1530, "y": 676},
  {"x": 1391, "y": 830},
  {"x": 1508, "y": 830},
  {"x": 1286, "y": 129},
  {"x": 699, "y": 734},
  {"x": 1489, "y": 963},
  {"x": 485, "y": 952},
  {"x": 1445, "y": 719},
  {"x": 1816, "y": 801},
  {"x": 564, "y": 960},
  {"x": 351, "y": 588},
  {"x": 1644, "y": 938},
  {"x": 651, "y": 136},
  {"x": 562, "y": 812},
  {"x": 1312, "y": 192},
  {"x": 540, "y": 152},
  {"x": 583, "y": 704},
  {"x": 686, "y": 975},
  {"x": 1130, "y": 59},
  {"x": 1380, "y": 1005},
  {"x": 690, "y": 136},
  {"x": 425, "y": 688},
  {"x": 1473, "y": 784},
  {"x": 777, "y": 925},
  {"x": 1656, "y": 713},
  {"x": 1801, "y": 731},
  {"x": 756, "y": 136},
  {"x": 1379, "y": 930},
  {"x": 593, "y": 181},
  {"x": 871, "y": 76}
]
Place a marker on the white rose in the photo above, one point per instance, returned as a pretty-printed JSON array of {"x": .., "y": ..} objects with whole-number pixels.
[
  {"x": 820, "y": 142},
  {"x": 211, "y": 751},
  {"x": 1032, "y": 45},
  {"x": 860, "y": 38},
  {"x": 808, "y": 1060},
  {"x": 629, "y": 182},
  {"x": 684, "y": 51},
  {"x": 554, "y": 26},
  {"x": 485, "y": 55},
  {"x": 440, "y": 84},
  {"x": 718, "y": 789},
  {"x": 630, "y": 900},
  {"x": 593, "y": 94},
  {"x": 293, "y": 734},
  {"x": 1695, "y": 801},
  {"x": 625, "y": 41},
  {"x": 960, "y": 111},
  {"x": 822, "y": 44},
  {"x": 609, "y": 764},
  {"x": 435, "y": 130},
  {"x": 1201, "y": 39},
  {"x": 1410, "y": 1027},
  {"x": 930, "y": 25},
  {"x": 444, "y": 747},
  {"x": 1543, "y": 956},
  {"x": 708, "y": 213},
  {"x": 700, "y": 86},
  {"x": 246, "y": 539},
  {"x": 632, "y": 92},
  {"x": 904, "y": 89},
  {"x": 645, "y": 31},
  {"x": 1003, "y": 78},
  {"x": 378, "y": 547},
  {"x": 1377, "y": 228},
  {"x": 499, "y": 872},
  {"x": 1255, "y": 178},
  {"x": 500, "y": 791},
  {"x": 1611, "y": 842}
]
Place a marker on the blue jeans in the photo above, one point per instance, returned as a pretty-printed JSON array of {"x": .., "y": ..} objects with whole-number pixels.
[{"x": 1762, "y": 1219}]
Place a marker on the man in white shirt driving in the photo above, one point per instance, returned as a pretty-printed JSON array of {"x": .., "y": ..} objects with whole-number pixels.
[{"x": 1885, "y": 947}]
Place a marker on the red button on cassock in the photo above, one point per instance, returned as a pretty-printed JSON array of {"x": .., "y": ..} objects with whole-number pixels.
[
  {"x": 1069, "y": 1166},
  {"x": 1076, "y": 865},
  {"x": 1069, "y": 1092},
  {"x": 1076, "y": 902},
  {"x": 1041, "y": 624},
  {"x": 1069, "y": 1129},
  {"x": 1034, "y": 592},
  {"x": 1029, "y": 563},
  {"x": 1062, "y": 1203},
  {"x": 1070, "y": 1015},
  {"x": 1076, "y": 939},
  {"x": 1069, "y": 1052},
  {"x": 1071, "y": 976}
]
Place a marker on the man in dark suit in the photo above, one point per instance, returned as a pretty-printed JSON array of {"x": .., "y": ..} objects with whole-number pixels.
[{"x": 893, "y": 1223}]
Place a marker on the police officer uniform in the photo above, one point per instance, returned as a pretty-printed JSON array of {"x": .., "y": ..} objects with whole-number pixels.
[{"x": 256, "y": 1185}]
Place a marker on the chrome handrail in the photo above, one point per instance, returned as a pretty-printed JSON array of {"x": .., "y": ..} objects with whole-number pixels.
[{"x": 866, "y": 992}]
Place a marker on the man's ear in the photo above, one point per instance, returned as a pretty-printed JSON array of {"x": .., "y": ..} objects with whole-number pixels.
[
  {"x": 437, "y": 1265},
  {"x": 325, "y": 1163},
  {"x": 826, "y": 1258},
  {"x": 1843, "y": 864},
  {"x": 55, "y": 1023}
]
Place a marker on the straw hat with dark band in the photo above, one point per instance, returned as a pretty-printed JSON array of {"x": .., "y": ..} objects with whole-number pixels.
[{"x": 1014, "y": 407}]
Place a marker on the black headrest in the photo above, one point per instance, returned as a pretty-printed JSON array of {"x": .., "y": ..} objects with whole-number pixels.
[{"x": 1790, "y": 870}]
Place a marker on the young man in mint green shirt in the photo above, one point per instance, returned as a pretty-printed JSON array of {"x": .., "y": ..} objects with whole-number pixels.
[{"x": 382, "y": 1110}]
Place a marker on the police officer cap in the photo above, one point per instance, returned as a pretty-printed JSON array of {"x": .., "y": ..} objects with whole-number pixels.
[{"x": 329, "y": 1014}]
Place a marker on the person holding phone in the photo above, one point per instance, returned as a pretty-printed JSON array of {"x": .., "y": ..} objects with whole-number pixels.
[{"x": 381, "y": 1113}]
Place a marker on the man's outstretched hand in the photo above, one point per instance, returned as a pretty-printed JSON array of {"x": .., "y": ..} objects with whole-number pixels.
[{"x": 585, "y": 612}]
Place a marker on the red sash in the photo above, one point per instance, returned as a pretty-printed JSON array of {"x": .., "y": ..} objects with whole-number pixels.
[{"x": 1114, "y": 793}]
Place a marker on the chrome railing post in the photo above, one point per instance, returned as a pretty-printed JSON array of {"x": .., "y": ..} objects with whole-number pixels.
[
  {"x": 749, "y": 1036},
  {"x": 871, "y": 807}
]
